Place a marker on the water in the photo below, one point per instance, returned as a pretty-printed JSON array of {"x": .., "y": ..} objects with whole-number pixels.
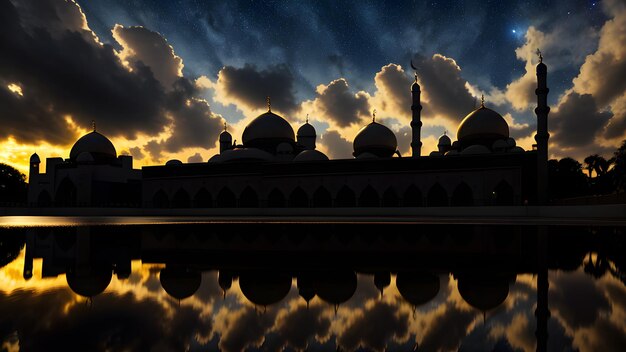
[{"x": 231, "y": 286}]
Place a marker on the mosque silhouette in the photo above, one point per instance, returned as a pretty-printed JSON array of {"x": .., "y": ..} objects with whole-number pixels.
[{"x": 272, "y": 168}]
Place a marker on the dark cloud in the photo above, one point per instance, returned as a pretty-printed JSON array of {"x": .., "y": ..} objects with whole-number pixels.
[
  {"x": 247, "y": 328},
  {"x": 447, "y": 330},
  {"x": 54, "y": 321},
  {"x": 379, "y": 323},
  {"x": 196, "y": 158},
  {"x": 65, "y": 72},
  {"x": 395, "y": 87},
  {"x": 441, "y": 83},
  {"x": 582, "y": 308},
  {"x": 336, "y": 146},
  {"x": 340, "y": 105},
  {"x": 577, "y": 121},
  {"x": 250, "y": 86},
  {"x": 297, "y": 327},
  {"x": 136, "y": 153}
]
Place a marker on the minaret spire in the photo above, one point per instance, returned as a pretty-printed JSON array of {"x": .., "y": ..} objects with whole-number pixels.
[
  {"x": 542, "y": 135},
  {"x": 416, "y": 119},
  {"x": 93, "y": 125},
  {"x": 269, "y": 104},
  {"x": 374, "y": 115}
]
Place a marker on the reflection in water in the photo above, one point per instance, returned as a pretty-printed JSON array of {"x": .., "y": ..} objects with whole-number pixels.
[{"x": 235, "y": 287}]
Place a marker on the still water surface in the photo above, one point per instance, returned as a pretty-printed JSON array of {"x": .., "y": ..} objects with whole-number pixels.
[{"x": 319, "y": 287}]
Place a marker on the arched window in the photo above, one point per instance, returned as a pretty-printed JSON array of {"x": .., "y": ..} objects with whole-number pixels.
[
  {"x": 412, "y": 197},
  {"x": 44, "y": 199},
  {"x": 298, "y": 198},
  {"x": 160, "y": 200},
  {"x": 345, "y": 197},
  {"x": 437, "y": 196},
  {"x": 181, "y": 199},
  {"x": 203, "y": 199},
  {"x": 390, "y": 198},
  {"x": 276, "y": 199},
  {"x": 369, "y": 197},
  {"x": 248, "y": 198},
  {"x": 226, "y": 198},
  {"x": 503, "y": 194},
  {"x": 462, "y": 196},
  {"x": 322, "y": 198},
  {"x": 66, "y": 193}
]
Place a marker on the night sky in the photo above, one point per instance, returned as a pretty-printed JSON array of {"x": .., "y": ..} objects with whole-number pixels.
[{"x": 160, "y": 78}]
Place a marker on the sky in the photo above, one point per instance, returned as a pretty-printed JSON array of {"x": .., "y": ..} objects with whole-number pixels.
[{"x": 160, "y": 78}]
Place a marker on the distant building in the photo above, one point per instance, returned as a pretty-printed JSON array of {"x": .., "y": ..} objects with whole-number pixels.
[{"x": 275, "y": 167}]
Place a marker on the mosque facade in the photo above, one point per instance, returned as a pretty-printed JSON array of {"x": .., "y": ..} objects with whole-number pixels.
[{"x": 274, "y": 167}]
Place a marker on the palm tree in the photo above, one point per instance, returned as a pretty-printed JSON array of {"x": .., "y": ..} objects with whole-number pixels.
[{"x": 591, "y": 162}]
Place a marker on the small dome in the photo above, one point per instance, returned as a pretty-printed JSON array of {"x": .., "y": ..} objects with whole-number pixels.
[
  {"x": 180, "y": 283},
  {"x": 306, "y": 130},
  {"x": 376, "y": 139},
  {"x": 311, "y": 155},
  {"x": 34, "y": 158},
  {"x": 173, "y": 162},
  {"x": 475, "y": 149},
  {"x": 484, "y": 293},
  {"x": 415, "y": 87},
  {"x": 417, "y": 288},
  {"x": 510, "y": 142},
  {"x": 516, "y": 150},
  {"x": 500, "y": 145},
  {"x": 217, "y": 158},
  {"x": 482, "y": 126},
  {"x": 284, "y": 148},
  {"x": 268, "y": 126},
  {"x": 84, "y": 157},
  {"x": 225, "y": 136},
  {"x": 245, "y": 154},
  {"x": 435, "y": 153},
  {"x": 452, "y": 152},
  {"x": 98, "y": 145},
  {"x": 366, "y": 155},
  {"x": 264, "y": 289},
  {"x": 336, "y": 287},
  {"x": 444, "y": 140}
]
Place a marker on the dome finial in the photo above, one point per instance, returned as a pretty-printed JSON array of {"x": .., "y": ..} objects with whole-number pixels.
[
  {"x": 269, "y": 103},
  {"x": 307, "y": 118},
  {"x": 93, "y": 125},
  {"x": 482, "y": 100},
  {"x": 374, "y": 115},
  {"x": 224, "y": 126},
  {"x": 540, "y": 56},
  {"x": 445, "y": 132}
]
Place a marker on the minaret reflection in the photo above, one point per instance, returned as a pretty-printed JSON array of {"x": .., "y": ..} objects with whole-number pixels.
[
  {"x": 382, "y": 280},
  {"x": 542, "y": 313}
]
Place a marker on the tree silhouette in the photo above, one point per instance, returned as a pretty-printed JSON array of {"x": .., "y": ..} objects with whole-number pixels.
[
  {"x": 619, "y": 168},
  {"x": 566, "y": 179},
  {"x": 12, "y": 185}
]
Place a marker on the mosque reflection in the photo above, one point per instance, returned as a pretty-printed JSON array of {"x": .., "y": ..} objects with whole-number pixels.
[{"x": 324, "y": 260}]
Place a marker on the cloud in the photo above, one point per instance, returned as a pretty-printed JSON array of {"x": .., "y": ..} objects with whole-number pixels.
[
  {"x": 447, "y": 329},
  {"x": 248, "y": 87},
  {"x": 242, "y": 328},
  {"x": 335, "y": 146},
  {"x": 581, "y": 309},
  {"x": 296, "y": 327},
  {"x": 577, "y": 121},
  {"x": 136, "y": 153},
  {"x": 337, "y": 104},
  {"x": 393, "y": 93},
  {"x": 141, "y": 44},
  {"x": 196, "y": 158}
]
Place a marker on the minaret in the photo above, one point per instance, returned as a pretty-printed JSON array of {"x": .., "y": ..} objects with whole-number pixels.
[
  {"x": 542, "y": 135},
  {"x": 416, "y": 122}
]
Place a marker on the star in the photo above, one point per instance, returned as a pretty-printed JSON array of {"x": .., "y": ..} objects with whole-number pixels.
[{"x": 514, "y": 31}]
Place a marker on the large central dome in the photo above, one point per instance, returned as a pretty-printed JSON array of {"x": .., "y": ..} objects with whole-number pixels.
[
  {"x": 482, "y": 126},
  {"x": 268, "y": 127},
  {"x": 376, "y": 139},
  {"x": 99, "y": 146}
]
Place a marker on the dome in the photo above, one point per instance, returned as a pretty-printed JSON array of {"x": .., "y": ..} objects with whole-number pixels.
[
  {"x": 451, "y": 152},
  {"x": 217, "y": 158},
  {"x": 366, "y": 155},
  {"x": 482, "y": 126},
  {"x": 475, "y": 149},
  {"x": 245, "y": 154},
  {"x": 516, "y": 150},
  {"x": 311, "y": 155},
  {"x": 284, "y": 148},
  {"x": 306, "y": 130},
  {"x": 85, "y": 157},
  {"x": 98, "y": 145},
  {"x": 435, "y": 153},
  {"x": 180, "y": 283},
  {"x": 376, "y": 139},
  {"x": 267, "y": 126},
  {"x": 484, "y": 293},
  {"x": 225, "y": 136},
  {"x": 510, "y": 142},
  {"x": 264, "y": 289},
  {"x": 336, "y": 287},
  {"x": 34, "y": 158},
  {"x": 417, "y": 288},
  {"x": 173, "y": 162},
  {"x": 500, "y": 145},
  {"x": 89, "y": 284},
  {"x": 444, "y": 140}
]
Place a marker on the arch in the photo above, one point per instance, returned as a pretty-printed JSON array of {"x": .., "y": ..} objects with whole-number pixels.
[
  {"x": 181, "y": 199},
  {"x": 226, "y": 198},
  {"x": 276, "y": 199},
  {"x": 160, "y": 200},
  {"x": 504, "y": 194},
  {"x": 66, "y": 193},
  {"x": 44, "y": 199},
  {"x": 322, "y": 198},
  {"x": 345, "y": 197},
  {"x": 298, "y": 198},
  {"x": 462, "y": 196},
  {"x": 412, "y": 197},
  {"x": 248, "y": 198},
  {"x": 390, "y": 198},
  {"x": 369, "y": 197},
  {"x": 203, "y": 199},
  {"x": 437, "y": 196}
]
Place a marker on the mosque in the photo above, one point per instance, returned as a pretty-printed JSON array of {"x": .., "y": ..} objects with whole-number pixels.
[{"x": 274, "y": 167}]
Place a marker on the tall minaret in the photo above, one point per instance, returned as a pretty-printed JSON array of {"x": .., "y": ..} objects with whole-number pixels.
[
  {"x": 542, "y": 135},
  {"x": 416, "y": 121}
]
